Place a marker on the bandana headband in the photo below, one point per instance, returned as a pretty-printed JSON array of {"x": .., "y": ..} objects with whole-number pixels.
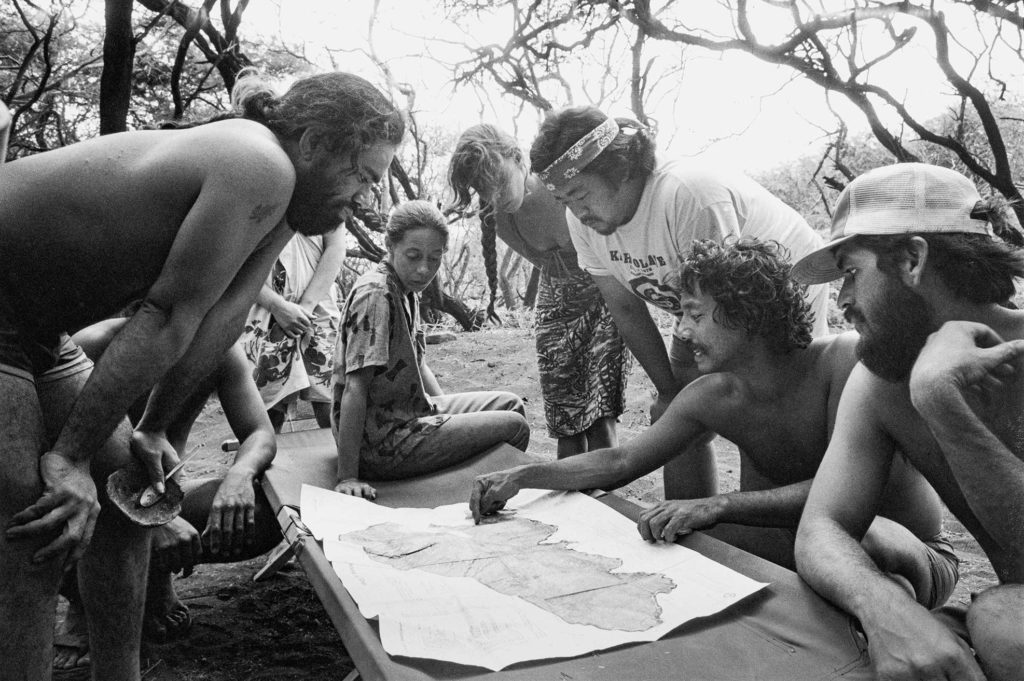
[{"x": 579, "y": 155}]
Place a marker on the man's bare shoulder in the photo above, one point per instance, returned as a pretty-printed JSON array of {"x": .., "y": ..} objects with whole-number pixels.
[
  {"x": 717, "y": 393},
  {"x": 240, "y": 153},
  {"x": 837, "y": 347},
  {"x": 873, "y": 391},
  {"x": 834, "y": 356},
  {"x": 225, "y": 147}
]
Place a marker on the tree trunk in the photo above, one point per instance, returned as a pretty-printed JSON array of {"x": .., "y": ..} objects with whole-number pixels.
[
  {"x": 118, "y": 61},
  {"x": 435, "y": 298}
]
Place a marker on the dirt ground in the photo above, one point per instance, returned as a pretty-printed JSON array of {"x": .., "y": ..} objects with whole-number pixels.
[{"x": 277, "y": 629}]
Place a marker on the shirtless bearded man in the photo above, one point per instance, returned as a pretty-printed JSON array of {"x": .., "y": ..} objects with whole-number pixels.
[
  {"x": 190, "y": 221},
  {"x": 925, "y": 280}
]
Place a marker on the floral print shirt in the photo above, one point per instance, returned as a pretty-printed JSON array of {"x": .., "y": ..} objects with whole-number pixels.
[{"x": 380, "y": 328}]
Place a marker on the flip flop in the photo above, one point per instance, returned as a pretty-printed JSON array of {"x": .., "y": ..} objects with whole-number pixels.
[
  {"x": 171, "y": 625},
  {"x": 80, "y": 644}
]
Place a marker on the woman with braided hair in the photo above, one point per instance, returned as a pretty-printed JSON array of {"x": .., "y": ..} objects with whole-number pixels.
[{"x": 581, "y": 357}]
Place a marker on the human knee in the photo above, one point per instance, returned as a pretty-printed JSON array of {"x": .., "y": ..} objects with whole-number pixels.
[
  {"x": 511, "y": 427},
  {"x": 512, "y": 402},
  {"x": 929, "y": 571},
  {"x": 887, "y": 544},
  {"x": 112, "y": 455},
  {"x": 20, "y": 484},
  {"x": 995, "y": 621},
  {"x": 521, "y": 437}
]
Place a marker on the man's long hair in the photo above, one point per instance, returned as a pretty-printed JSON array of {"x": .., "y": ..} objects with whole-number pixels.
[
  {"x": 750, "y": 284},
  {"x": 348, "y": 112}
]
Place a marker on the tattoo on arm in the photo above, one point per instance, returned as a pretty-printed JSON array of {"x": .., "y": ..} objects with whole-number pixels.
[{"x": 260, "y": 212}]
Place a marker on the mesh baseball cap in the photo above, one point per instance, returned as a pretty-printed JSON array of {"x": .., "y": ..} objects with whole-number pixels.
[{"x": 896, "y": 199}]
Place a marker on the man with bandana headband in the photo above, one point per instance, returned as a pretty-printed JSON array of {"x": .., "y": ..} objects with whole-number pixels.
[
  {"x": 632, "y": 218},
  {"x": 190, "y": 222},
  {"x": 927, "y": 268}
]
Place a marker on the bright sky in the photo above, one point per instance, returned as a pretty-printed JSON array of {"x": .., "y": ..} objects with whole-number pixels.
[{"x": 732, "y": 108}]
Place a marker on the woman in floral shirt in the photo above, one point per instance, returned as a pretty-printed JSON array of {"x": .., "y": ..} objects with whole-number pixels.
[{"x": 390, "y": 417}]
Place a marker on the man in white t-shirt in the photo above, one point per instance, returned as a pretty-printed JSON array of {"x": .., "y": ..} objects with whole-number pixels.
[{"x": 632, "y": 220}]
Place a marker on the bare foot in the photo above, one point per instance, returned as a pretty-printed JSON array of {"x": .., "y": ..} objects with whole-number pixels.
[
  {"x": 166, "y": 617},
  {"x": 71, "y": 643}
]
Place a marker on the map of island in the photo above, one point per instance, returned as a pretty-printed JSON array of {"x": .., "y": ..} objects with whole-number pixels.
[
  {"x": 555, "y": 575},
  {"x": 511, "y": 556}
]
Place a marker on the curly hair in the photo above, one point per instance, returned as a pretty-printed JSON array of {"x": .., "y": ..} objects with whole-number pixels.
[
  {"x": 477, "y": 164},
  {"x": 414, "y": 215},
  {"x": 350, "y": 113},
  {"x": 974, "y": 267},
  {"x": 629, "y": 156},
  {"x": 750, "y": 284}
]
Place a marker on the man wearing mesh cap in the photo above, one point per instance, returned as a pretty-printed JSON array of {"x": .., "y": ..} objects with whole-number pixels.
[{"x": 926, "y": 264}]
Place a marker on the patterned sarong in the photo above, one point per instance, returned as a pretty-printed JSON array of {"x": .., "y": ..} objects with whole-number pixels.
[{"x": 582, "y": 359}]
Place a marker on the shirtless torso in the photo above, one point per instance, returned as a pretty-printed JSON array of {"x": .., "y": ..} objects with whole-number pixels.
[
  {"x": 190, "y": 222},
  {"x": 780, "y": 411},
  {"x": 121, "y": 201},
  {"x": 910, "y": 433},
  {"x": 953, "y": 406},
  {"x": 781, "y": 437}
]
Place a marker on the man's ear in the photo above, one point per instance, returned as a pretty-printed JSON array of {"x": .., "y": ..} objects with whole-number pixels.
[
  {"x": 915, "y": 257},
  {"x": 308, "y": 142}
]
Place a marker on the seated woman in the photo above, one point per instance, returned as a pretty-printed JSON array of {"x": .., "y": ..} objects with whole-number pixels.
[
  {"x": 582, "y": 359},
  {"x": 390, "y": 418}
]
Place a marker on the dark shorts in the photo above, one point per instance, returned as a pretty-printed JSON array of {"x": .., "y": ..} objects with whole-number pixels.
[
  {"x": 945, "y": 570},
  {"x": 36, "y": 356}
]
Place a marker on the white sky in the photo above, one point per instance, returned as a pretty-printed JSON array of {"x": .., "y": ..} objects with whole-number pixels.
[{"x": 732, "y": 109}]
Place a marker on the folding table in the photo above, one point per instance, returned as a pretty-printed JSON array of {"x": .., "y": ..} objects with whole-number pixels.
[{"x": 784, "y": 632}]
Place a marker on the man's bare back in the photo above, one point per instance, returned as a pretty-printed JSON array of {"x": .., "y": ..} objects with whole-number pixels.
[{"x": 122, "y": 200}]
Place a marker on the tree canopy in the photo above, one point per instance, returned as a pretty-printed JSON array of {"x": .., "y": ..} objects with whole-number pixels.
[{"x": 76, "y": 69}]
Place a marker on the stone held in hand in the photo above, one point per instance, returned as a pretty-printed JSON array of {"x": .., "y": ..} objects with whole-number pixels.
[{"x": 125, "y": 487}]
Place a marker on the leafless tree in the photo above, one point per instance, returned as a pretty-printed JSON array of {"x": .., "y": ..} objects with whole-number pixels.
[
  {"x": 43, "y": 58},
  {"x": 844, "y": 48}
]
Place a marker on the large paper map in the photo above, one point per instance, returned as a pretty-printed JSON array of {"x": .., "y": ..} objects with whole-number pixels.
[{"x": 555, "y": 575}]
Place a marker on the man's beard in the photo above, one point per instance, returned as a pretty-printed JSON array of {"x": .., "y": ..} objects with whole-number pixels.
[
  {"x": 892, "y": 339},
  {"x": 314, "y": 207},
  {"x": 311, "y": 218}
]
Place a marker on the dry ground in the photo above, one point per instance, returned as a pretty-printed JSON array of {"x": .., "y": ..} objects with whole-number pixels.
[{"x": 278, "y": 630}]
